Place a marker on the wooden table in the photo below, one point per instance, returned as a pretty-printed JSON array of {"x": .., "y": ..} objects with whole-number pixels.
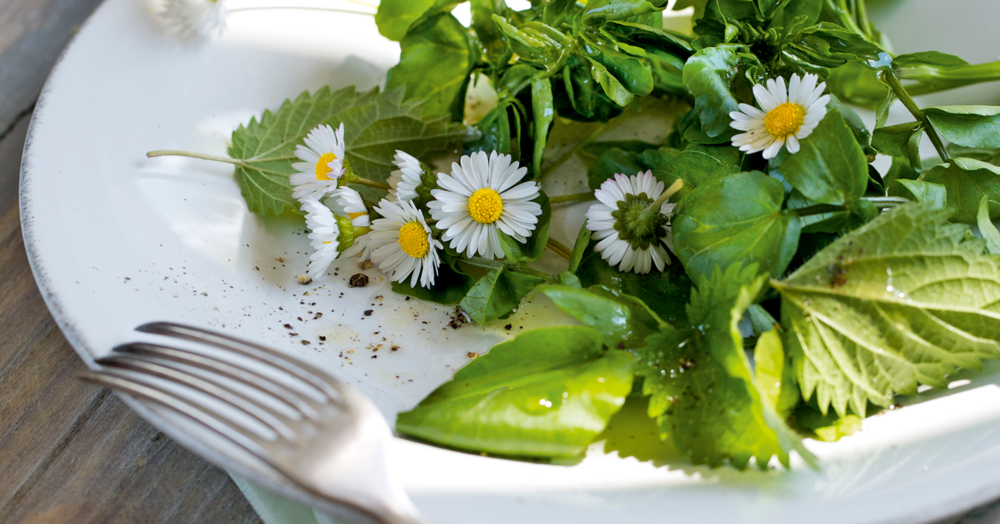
[{"x": 70, "y": 451}]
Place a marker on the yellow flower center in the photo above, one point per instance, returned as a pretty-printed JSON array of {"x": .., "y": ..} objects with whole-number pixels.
[
  {"x": 485, "y": 206},
  {"x": 322, "y": 169},
  {"x": 413, "y": 239},
  {"x": 352, "y": 216},
  {"x": 785, "y": 120}
]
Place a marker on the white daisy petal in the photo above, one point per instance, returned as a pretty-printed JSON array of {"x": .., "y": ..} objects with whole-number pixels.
[
  {"x": 786, "y": 115},
  {"x": 402, "y": 245},
  {"x": 202, "y": 18},
  {"x": 613, "y": 249},
  {"x": 481, "y": 194},
  {"x": 323, "y": 166}
]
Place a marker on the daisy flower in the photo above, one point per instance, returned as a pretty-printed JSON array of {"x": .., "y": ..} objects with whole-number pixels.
[
  {"x": 204, "y": 18},
  {"x": 410, "y": 175},
  {"x": 628, "y": 237},
  {"x": 324, "y": 234},
  {"x": 402, "y": 246},
  {"x": 322, "y": 162},
  {"x": 357, "y": 212},
  {"x": 784, "y": 117},
  {"x": 479, "y": 198}
]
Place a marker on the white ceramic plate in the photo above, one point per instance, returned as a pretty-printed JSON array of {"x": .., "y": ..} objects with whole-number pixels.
[{"x": 116, "y": 240}]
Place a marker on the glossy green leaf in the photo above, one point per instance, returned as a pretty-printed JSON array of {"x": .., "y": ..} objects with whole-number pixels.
[
  {"x": 547, "y": 393},
  {"x": 699, "y": 164},
  {"x": 702, "y": 391},
  {"x": 578, "y": 96},
  {"x": 901, "y": 301},
  {"x": 532, "y": 249},
  {"x": 495, "y": 50},
  {"x": 665, "y": 292},
  {"x": 920, "y": 191},
  {"x": 610, "y": 84},
  {"x": 987, "y": 228},
  {"x": 967, "y": 182},
  {"x": 579, "y": 248},
  {"x": 621, "y": 9},
  {"x": 830, "y": 167},
  {"x": 623, "y": 319},
  {"x": 497, "y": 294},
  {"x": 543, "y": 111},
  {"x": 709, "y": 74},
  {"x": 969, "y": 126},
  {"x": 434, "y": 65},
  {"x": 395, "y": 17},
  {"x": 534, "y": 41},
  {"x": 773, "y": 369},
  {"x": 450, "y": 285},
  {"x": 736, "y": 218},
  {"x": 632, "y": 73},
  {"x": 902, "y": 143},
  {"x": 929, "y": 58}
]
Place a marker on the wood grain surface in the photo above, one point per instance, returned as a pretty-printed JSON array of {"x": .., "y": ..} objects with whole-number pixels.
[{"x": 71, "y": 452}]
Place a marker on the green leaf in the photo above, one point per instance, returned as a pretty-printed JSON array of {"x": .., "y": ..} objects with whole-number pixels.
[
  {"x": 969, "y": 126},
  {"x": 665, "y": 293},
  {"x": 395, "y": 17},
  {"x": 612, "y": 87},
  {"x": 967, "y": 182},
  {"x": 987, "y": 228},
  {"x": 929, "y": 58},
  {"x": 532, "y": 249},
  {"x": 703, "y": 393},
  {"x": 579, "y": 248},
  {"x": 621, "y": 9},
  {"x": 450, "y": 285},
  {"x": 830, "y": 45},
  {"x": 497, "y": 294},
  {"x": 774, "y": 372},
  {"x": 828, "y": 427},
  {"x": 435, "y": 65},
  {"x": 623, "y": 319},
  {"x": 901, "y": 301},
  {"x": 496, "y": 52},
  {"x": 534, "y": 41},
  {"x": 830, "y": 167},
  {"x": 699, "y": 164},
  {"x": 920, "y": 191},
  {"x": 543, "y": 111},
  {"x": 547, "y": 393},
  {"x": 736, "y": 218},
  {"x": 632, "y": 73},
  {"x": 709, "y": 74},
  {"x": 578, "y": 96}
]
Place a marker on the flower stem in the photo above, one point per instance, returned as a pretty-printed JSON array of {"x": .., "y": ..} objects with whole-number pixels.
[
  {"x": 559, "y": 249},
  {"x": 587, "y": 195},
  {"x": 189, "y": 154},
  {"x": 917, "y": 113},
  {"x": 365, "y": 182},
  {"x": 540, "y": 274}
]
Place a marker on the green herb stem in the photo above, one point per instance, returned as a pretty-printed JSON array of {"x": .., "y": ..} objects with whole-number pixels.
[
  {"x": 561, "y": 199},
  {"x": 189, "y": 154},
  {"x": 365, "y": 182},
  {"x": 540, "y": 274},
  {"x": 917, "y": 113},
  {"x": 558, "y": 248},
  {"x": 818, "y": 209}
]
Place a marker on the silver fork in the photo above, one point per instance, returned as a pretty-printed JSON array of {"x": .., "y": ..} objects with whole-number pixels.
[{"x": 327, "y": 438}]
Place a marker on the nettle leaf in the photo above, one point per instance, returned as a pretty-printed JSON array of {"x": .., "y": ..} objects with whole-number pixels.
[
  {"x": 703, "y": 393},
  {"x": 375, "y": 126},
  {"x": 709, "y": 74},
  {"x": 830, "y": 167},
  {"x": 665, "y": 292},
  {"x": 987, "y": 228},
  {"x": 967, "y": 182},
  {"x": 498, "y": 294},
  {"x": 828, "y": 427},
  {"x": 435, "y": 64},
  {"x": 623, "y": 319},
  {"x": 899, "y": 302},
  {"x": 267, "y": 146},
  {"x": 735, "y": 218},
  {"x": 969, "y": 126},
  {"x": 547, "y": 393},
  {"x": 773, "y": 368},
  {"x": 395, "y": 17}
]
